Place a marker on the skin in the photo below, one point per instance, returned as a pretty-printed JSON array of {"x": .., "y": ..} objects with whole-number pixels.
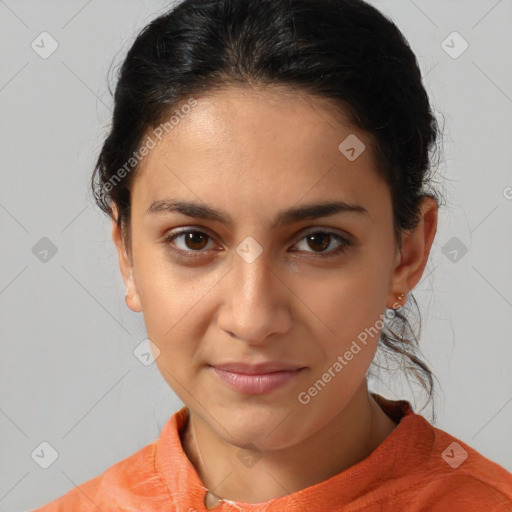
[{"x": 254, "y": 152}]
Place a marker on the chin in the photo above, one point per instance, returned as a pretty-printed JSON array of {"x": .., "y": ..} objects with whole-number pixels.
[{"x": 265, "y": 426}]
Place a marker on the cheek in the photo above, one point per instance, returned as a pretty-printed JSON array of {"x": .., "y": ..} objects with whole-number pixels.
[
  {"x": 348, "y": 309},
  {"x": 166, "y": 290},
  {"x": 173, "y": 301},
  {"x": 348, "y": 335},
  {"x": 169, "y": 313}
]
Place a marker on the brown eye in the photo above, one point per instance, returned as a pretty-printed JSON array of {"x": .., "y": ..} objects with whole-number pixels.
[
  {"x": 319, "y": 241},
  {"x": 189, "y": 243},
  {"x": 192, "y": 243},
  {"x": 195, "y": 240}
]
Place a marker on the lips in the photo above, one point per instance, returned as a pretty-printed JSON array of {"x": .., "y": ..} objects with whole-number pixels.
[
  {"x": 266, "y": 367},
  {"x": 256, "y": 379}
]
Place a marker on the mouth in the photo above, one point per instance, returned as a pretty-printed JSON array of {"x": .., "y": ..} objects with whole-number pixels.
[
  {"x": 258, "y": 368},
  {"x": 256, "y": 379}
]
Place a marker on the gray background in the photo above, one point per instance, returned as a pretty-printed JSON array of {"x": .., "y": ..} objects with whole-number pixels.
[{"x": 68, "y": 374}]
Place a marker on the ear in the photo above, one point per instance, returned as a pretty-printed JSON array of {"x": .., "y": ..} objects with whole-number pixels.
[
  {"x": 132, "y": 295},
  {"x": 413, "y": 256}
]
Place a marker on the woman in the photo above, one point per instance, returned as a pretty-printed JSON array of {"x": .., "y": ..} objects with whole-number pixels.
[{"x": 268, "y": 178}]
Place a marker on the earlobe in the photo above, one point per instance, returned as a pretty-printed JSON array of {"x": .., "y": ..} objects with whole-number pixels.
[
  {"x": 132, "y": 297},
  {"x": 397, "y": 301}
]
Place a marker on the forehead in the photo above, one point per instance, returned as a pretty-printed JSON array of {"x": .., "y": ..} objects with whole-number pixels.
[
  {"x": 270, "y": 118},
  {"x": 258, "y": 147}
]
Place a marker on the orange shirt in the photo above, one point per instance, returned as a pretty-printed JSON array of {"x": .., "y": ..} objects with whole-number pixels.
[{"x": 416, "y": 468}]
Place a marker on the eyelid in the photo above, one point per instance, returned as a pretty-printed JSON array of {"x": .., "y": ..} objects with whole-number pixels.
[
  {"x": 346, "y": 240},
  {"x": 302, "y": 233},
  {"x": 168, "y": 239},
  {"x": 328, "y": 230}
]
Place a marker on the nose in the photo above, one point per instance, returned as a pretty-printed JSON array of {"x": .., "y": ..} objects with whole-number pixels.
[{"x": 256, "y": 302}]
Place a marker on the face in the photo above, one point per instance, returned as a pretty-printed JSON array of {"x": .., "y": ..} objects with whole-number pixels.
[{"x": 253, "y": 285}]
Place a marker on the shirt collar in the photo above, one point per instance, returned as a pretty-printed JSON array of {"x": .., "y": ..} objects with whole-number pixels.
[{"x": 187, "y": 491}]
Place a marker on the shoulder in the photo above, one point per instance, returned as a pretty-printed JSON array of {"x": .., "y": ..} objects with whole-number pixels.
[
  {"x": 130, "y": 483},
  {"x": 453, "y": 476},
  {"x": 431, "y": 470},
  {"x": 461, "y": 491}
]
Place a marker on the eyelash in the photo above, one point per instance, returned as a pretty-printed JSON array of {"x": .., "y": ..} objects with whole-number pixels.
[{"x": 344, "y": 243}]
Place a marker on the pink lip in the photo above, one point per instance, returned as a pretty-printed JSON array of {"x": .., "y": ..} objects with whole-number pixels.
[
  {"x": 256, "y": 379},
  {"x": 265, "y": 367}
]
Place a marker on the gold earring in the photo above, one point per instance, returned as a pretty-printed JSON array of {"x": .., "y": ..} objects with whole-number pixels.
[{"x": 400, "y": 297}]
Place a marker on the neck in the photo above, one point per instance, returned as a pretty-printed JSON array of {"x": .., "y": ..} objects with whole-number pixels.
[{"x": 347, "y": 439}]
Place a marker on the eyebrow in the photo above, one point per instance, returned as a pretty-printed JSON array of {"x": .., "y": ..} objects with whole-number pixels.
[{"x": 288, "y": 216}]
